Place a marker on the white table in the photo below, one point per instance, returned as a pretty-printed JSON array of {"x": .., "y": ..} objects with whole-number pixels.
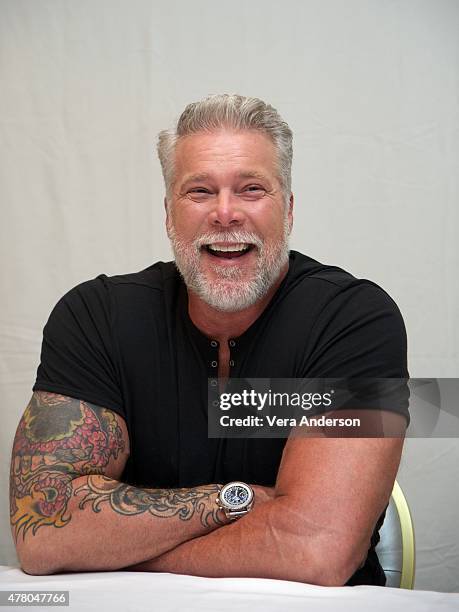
[{"x": 125, "y": 591}]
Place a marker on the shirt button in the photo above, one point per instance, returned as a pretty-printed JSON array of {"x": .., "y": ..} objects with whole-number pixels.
[
  {"x": 231, "y": 362},
  {"x": 214, "y": 343},
  {"x": 215, "y": 403},
  {"x": 214, "y": 364},
  {"x": 213, "y": 382},
  {"x": 232, "y": 343}
]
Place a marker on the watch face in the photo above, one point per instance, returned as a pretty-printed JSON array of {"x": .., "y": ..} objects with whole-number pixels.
[{"x": 236, "y": 495}]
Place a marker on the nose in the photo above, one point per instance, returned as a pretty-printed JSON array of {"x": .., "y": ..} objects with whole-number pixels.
[{"x": 227, "y": 211}]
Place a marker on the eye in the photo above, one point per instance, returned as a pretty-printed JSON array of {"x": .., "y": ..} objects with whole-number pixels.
[
  {"x": 253, "y": 191},
  {"x": 199, "y": 193}
]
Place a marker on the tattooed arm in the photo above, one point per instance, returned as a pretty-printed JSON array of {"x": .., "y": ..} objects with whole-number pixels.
[{"x": 69, "y": 512}]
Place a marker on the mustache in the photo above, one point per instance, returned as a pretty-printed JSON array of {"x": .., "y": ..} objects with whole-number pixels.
[{"x": 226, "y": 236}]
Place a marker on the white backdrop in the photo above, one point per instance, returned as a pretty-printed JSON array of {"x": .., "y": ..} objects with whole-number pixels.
[{"x": 371, "y": 90}]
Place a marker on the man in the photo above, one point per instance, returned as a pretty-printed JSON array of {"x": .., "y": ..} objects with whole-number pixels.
[{"x": 112, "y": 464}]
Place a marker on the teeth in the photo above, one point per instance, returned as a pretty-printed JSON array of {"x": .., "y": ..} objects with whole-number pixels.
[{"x": 241, "y": 246}]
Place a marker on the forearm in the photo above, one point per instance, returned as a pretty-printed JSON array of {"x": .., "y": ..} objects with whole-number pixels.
[
  {"x": 108, "y": 525},
  {"x": 257, "y": 545},
  {"x": 317, "y": 529}
]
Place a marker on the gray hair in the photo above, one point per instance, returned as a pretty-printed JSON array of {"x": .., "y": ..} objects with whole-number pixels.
[{"x": 235, "y": 112}]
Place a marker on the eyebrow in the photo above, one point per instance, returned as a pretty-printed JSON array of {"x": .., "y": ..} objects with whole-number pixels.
[
  {"x": 203, "y": 176},
  {"x": 253, "y": 174},
  {"x": 192, "y": 178}
]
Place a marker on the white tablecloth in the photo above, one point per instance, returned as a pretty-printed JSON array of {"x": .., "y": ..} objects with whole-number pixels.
[{"x": 122, "y": 591}]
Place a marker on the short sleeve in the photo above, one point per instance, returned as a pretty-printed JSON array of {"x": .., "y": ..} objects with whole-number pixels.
[
  {"x": 360, "y": 334},
  {"x": 77, "y": 355}
]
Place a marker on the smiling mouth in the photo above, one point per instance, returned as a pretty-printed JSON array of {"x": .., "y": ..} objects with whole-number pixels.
[{"x": 228, "y": 251}]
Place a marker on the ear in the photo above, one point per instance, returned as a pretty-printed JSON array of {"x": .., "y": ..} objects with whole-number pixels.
[
  {"x": 168, "y": 218},
  {"x": 290, "y": 213}
]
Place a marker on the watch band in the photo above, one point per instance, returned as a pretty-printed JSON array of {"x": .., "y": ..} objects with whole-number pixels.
[{"x": 235, "y": 514}]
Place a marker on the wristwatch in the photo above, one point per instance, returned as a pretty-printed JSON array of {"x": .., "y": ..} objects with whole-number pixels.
[{"x": 235, "y": 499}]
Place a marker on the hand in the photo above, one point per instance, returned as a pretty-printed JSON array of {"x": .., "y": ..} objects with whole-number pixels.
[{"x": 262, "y": 494}]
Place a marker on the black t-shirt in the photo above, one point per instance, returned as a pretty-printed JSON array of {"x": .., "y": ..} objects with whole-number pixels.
[{"x": 128, "y": 344}]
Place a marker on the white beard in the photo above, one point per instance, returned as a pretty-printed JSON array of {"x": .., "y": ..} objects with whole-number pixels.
[{"x": 230, "y": 291}]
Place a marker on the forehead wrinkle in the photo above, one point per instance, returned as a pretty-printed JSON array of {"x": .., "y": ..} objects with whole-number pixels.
[{"x": 250, "y": 155}]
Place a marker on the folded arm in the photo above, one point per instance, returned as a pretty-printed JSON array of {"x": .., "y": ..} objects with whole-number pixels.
[
  {"x": 317, "y": 528},
  {"x": 68, "y": 509}
]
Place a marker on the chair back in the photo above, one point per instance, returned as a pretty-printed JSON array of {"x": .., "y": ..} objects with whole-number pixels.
[{"x": 396, "y": 549}]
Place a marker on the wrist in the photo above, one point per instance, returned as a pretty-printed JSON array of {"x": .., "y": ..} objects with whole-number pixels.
[{"x": 217, "y": 511}]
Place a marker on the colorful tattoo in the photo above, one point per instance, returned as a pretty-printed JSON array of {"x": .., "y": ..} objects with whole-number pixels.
[{"x": 58, "y": 438}]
